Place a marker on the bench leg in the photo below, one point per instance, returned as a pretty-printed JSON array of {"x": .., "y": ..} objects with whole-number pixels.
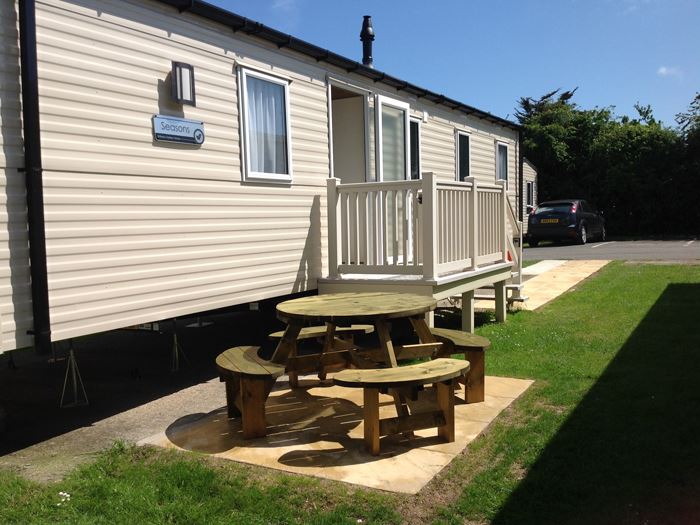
[
  {"x": 474, "y": 386},
  {"x": 232, "y": 390},
  {"x": 254, "y": 392},
  {"x": 371, "y": 411},
  {"x": 446, "y": 403}
]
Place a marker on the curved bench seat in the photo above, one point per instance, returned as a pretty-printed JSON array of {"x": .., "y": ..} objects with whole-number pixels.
[{"x": 442, "y": 372}]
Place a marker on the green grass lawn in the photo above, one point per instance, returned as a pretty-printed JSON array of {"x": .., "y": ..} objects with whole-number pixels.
[
  {"x": 609, "y": 433},
  {"x": 530, "y": 262}
]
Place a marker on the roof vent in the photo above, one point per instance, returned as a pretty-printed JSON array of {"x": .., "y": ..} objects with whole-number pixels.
[{"x": 367, "y": 36}]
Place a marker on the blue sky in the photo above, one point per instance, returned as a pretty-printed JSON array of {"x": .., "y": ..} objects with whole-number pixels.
[{"x": 490, "y": 53}]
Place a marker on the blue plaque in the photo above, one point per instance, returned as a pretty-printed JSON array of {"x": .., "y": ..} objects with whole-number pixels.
[{"x": 178, "y": 130}]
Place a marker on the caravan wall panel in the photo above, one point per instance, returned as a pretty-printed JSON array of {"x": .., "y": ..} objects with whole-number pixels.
[
  {"x": 15, "y": 291},
  {"x": 139, "y": 231}
]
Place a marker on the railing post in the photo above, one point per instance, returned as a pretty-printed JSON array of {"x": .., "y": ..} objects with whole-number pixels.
[
  {"x": 473, "y": 230},
  {"x": 430, "y": 260},
  {"x": 503, "y": 226},
  {"x": 332, "y": 203}
]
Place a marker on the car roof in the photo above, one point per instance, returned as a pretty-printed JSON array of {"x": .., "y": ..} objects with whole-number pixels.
[{"x": 560, "y": 201}]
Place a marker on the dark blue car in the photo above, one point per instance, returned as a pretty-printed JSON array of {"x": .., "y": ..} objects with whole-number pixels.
[{"x": 565, "y": 220}]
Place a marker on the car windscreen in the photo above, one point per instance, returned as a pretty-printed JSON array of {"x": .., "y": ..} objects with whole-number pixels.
[{"x": 549, "y": 207}]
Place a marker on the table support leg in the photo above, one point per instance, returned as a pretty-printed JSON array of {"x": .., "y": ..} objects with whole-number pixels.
[
  {"x": 422, "y": 330},
  {"x": 385, "y": 342},
  {"x": 293, "y": 375},
  {"x": 288, "y": 343},
  {"x": 327, "y": 346},
  {"x": 390, "y": 358}
]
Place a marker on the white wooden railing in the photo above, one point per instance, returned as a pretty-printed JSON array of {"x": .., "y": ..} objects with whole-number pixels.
[
  {"x": 421, "y": 227},
  {"x": 515, "y": 232}
]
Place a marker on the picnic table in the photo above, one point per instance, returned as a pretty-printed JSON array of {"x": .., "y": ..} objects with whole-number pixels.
[
  {"x": 249, "y": 378},
  {"x": 377, "y": 308}
]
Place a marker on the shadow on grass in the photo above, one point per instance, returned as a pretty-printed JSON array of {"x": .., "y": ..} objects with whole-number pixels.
[{"x": 630, "y": 451}]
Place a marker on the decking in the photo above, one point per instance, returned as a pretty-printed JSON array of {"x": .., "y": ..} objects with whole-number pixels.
[{"x": 427, "y": 236}]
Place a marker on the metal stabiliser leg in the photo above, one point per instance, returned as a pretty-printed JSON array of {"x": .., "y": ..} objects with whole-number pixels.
[
  {"x": 73, "y": 383},
  {"x": 11, "y": 360},
  {"x": 177, "y": 350}
]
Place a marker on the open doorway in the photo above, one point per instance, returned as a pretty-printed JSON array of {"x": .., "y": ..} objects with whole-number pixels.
[{"x": 348, "y": 128}]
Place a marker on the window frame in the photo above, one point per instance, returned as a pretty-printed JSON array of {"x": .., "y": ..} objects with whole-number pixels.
[
  {"x": 462, "y": 133},
  {"x": 381, "y": 100},
  {"x": 418, "y": 122},
  {"x": 500, "y": 144},
  {"x": 529, "y": 193},
  {"x": 247, "y": 173}
]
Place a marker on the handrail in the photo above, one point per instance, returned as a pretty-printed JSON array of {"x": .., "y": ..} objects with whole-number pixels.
[
  {"x": 379, "y": 186},
  {"x": 517, "y": 231},
  {"x": 425, "y": 227}
]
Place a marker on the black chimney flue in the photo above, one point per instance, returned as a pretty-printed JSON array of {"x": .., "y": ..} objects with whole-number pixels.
[{"x": 367, "y": 35}]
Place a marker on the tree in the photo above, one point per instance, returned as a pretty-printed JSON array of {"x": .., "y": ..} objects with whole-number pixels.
[{"x": 632, "y": 168}]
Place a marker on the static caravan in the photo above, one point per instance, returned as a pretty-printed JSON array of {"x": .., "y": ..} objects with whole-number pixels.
[{"x": 166, "y": 157}]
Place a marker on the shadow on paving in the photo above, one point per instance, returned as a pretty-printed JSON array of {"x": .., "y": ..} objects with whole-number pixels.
[
  {"x": 121, "y": 369},
  {"x": 630, "y": 451}
]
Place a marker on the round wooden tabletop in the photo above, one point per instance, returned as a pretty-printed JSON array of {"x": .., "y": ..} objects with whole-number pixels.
[{"x": 365, "y": 306}]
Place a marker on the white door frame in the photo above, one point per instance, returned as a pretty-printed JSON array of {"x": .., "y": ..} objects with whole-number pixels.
[{"x": 364, "y": 93}]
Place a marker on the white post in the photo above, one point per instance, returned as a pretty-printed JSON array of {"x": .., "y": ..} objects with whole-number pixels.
[
  {"x": 430, "y": 260},
  {"x": 500, "y": 289},
  {"x": 332, "y": 189},
  {"x": 503, "y": 227},
  {"x": 468, "y": 311},
  {"x": 473, "y": 231}
]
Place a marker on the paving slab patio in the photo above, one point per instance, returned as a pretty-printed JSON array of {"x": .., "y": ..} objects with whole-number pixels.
[
  {"x": 547, "y": 280},
  {"x": 317, "y": 430}
]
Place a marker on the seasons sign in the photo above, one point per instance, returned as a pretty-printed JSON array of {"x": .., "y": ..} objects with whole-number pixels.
[{"x": 180, "y": 130}]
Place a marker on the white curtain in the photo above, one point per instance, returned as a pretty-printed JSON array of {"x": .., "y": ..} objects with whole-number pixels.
[
  {"x": 267, "y": 126},
  {"x": 393, "y": 143}
]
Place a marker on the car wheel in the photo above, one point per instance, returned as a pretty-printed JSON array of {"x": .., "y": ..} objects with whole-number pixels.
[
  {"x": 582, "y": 234},
  {"x": 533, "y": 242}
]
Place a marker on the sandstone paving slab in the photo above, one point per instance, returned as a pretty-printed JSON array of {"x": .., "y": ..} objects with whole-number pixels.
[{"x": 317, "y": 430}]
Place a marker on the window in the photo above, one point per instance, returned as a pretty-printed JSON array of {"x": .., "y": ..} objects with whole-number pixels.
[
  {"x": 392, "y": 139},
  {"x": 415, "y": 149},
  {"x": 530, "y": 197},
  {"x": 266, "y": 140},
  {"x": 502, "y": 162},
  {"x": 462, "y": 156}
]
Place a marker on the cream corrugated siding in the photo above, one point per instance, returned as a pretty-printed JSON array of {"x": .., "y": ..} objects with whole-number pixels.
[
  {"x": 138, "y": 231},
  {"x": 438, "y": 148},
  {"x": 15, "y": 291}
]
